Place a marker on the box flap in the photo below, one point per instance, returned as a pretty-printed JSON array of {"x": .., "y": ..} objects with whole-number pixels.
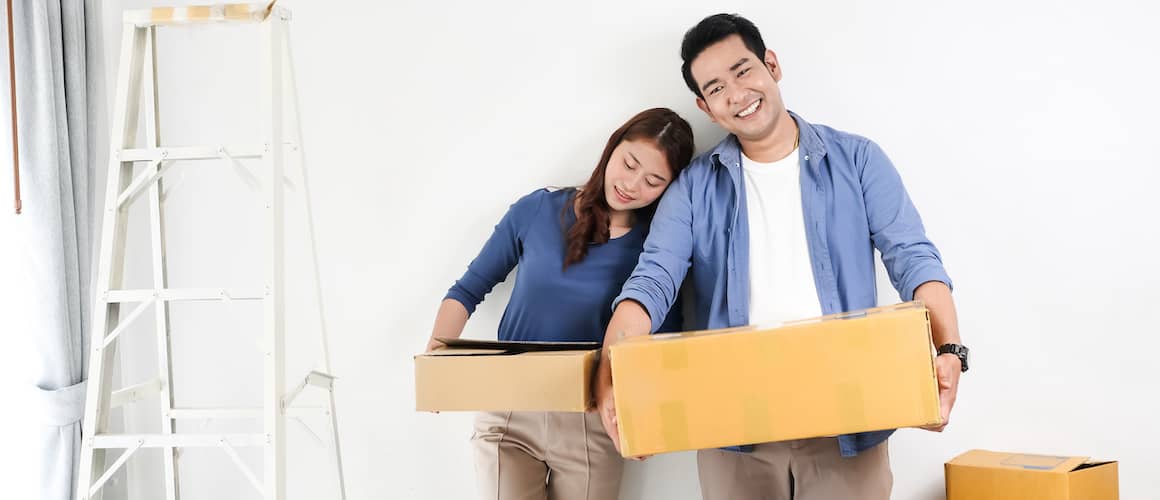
[
  {"x": 905, "y": 306},
  {"x": 1020, "y": 461},
  {"x": 657, "y": 337},
  {"x": 1095, "y": 480},
  {"x": 463, "y": 352},
  {"x": 522, "y": 346}
]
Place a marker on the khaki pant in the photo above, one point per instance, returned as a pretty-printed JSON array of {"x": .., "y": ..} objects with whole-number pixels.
[
  {"x": 545, "y": 455},
  {"x": 808, "y": 469}
]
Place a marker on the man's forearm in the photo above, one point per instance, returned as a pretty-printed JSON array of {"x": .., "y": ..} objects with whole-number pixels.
[
  {"x": 630, "y": 319},
  {"x": 944, "y": 322}
]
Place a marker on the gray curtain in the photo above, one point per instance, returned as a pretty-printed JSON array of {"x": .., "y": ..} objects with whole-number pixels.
[{"x": 56, "y": 227}]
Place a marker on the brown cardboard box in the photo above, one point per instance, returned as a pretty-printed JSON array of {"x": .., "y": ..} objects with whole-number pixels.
[
  {"x": 981, "y": 474},
  {"x": 840, "y": 374},
  {"x": 505, "y": 376}
]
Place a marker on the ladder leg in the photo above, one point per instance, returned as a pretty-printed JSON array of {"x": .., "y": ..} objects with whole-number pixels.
[
  {"x": 160, "y": 280},
  {"x": 291, "y": 79},
  {"x": 110, "y": 260},
  {"x": 340, "y": 477},
  {"x": 273, "y": 346},
  {"x": 299, "y": 162}
]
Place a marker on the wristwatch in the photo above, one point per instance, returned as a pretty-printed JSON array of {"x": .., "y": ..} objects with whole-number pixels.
[{"x": 958, "y": 350}]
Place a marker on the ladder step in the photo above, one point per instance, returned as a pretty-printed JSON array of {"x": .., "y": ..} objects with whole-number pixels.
[
  {"x": 314, "y": 378},
  {"x": 240, "y": 413},
  {"x": 204, "y": 14},
  {"x": 192, "y": 153},
  {"x": 133, "y": 393},
  {"x": 176, "y": 440},
  {"x": 320, "y": 379},
  {"x": 176, "y": 294}
]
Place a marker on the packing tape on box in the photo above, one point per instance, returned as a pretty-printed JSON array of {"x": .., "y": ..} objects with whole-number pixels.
[
  {"x": 852, "y": 405},
  {"x": 674, "y": 356},
  {"x": 756, "y": 423},
  {"x": 674, "y": 425}
]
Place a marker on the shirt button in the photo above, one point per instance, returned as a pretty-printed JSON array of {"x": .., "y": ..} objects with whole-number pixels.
[{"x": 807, "y": 157}]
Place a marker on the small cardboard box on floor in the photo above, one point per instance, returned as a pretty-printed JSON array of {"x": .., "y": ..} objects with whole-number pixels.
[
  {"x": 839, "y": 374},
  {"x": 988, "y": 475},
  {"x": 470, "y": 375}
]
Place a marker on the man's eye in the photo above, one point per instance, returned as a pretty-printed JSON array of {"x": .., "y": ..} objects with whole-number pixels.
[{"x": 743, "y": 72}]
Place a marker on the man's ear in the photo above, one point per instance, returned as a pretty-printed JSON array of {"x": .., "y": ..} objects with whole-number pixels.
[
  {"x": 772, "y": 64},
  {"x": 704, "y": 106}
]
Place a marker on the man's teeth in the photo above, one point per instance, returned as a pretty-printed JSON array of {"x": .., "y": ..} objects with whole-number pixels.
[{"x": 749, "y": 111}]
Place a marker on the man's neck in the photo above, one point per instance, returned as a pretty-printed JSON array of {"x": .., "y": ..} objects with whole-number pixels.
[{"x": 776, "y": 145}]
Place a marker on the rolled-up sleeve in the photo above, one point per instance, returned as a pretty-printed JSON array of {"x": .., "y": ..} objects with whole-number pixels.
[
  {"x": 664, "y": 262},
  {"x": 896, "y": 229}
]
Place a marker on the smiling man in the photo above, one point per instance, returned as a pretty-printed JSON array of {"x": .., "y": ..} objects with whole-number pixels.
[{"x": 778, "y": 222}]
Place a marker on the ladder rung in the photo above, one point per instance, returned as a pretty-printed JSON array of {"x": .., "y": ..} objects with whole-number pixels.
[
  {"x": 133, "y": 393},
  {"x": 240, "y": 413},
  {"x": 173, "y": 294},
  {"x": 314, "y": 378},
  {"x": 176, "y": 440},
  {"x": 192, "y": 153},
  {"x": 202, "y": 14},
  {"x": 319, "y": 379}
]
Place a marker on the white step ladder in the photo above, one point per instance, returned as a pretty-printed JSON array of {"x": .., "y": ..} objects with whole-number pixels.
[{"x": 138, "y": 67}]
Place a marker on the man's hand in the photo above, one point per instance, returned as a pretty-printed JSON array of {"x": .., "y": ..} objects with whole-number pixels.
[
  {"x": 628, "y": 320},
  {"x": 606, "y": 405},
  {"x": 948, "y": 367}
]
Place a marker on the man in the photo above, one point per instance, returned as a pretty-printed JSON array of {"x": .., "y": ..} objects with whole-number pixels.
[{"x": 777, "y": 222}]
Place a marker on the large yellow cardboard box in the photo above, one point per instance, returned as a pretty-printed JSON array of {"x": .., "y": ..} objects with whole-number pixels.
[
  {"x": 839, "y": 374},
  {"x": 505, "y": 376},
  {"x": 989, "y": 475}
]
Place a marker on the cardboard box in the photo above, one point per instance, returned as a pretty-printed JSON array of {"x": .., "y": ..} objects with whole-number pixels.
[
  {"x": 505, "y": 376},
  {"x": 981, "y": 474},
  {"x": 839, "y": 374}
]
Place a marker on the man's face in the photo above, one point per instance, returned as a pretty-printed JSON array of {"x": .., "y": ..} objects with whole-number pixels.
[{"x": 739, "y": 90}]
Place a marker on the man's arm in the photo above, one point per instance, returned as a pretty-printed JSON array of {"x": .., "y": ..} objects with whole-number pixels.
[
  {"x": 628, "y": 320},
  {"x": 944, "y": 329},
  {"x": 912, "y": 261},
  {"x": 651, "y": 291}
]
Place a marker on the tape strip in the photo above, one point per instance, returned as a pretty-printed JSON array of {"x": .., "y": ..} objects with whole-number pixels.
[
  {"x": 674, "y": 425},
  {"x": 852, "y": 405},
  {"x": 757, "y": 423},
  {"x": 674, "y": 356}
]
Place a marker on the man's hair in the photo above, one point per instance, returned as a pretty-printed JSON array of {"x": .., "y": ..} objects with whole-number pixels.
[{"x": 711, "y": 30}]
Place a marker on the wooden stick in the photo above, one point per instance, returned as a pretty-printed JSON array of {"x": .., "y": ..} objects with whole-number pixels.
[{"x": 12, "y": 88}]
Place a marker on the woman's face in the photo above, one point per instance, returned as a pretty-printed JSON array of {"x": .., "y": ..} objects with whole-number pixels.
[{"x": 637, "y": 174}]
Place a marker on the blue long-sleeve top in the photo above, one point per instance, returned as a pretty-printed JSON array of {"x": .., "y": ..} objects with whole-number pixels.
[{"x": 549, "y": 303}]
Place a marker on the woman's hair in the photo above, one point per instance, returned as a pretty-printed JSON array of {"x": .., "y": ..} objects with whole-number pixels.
[{"x": 661, "y": 126}]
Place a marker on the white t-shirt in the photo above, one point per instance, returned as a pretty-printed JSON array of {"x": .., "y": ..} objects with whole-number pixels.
[{"x": 781, "y": 278}]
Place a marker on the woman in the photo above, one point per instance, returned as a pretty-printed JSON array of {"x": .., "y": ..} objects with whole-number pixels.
[{"x": 575, "y": 248}]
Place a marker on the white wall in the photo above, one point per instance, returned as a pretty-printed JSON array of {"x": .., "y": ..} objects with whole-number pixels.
[{"x": 1024, "y": 132}]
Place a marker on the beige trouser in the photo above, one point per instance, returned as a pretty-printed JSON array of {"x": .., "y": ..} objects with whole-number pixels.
[
  {"x": 808, "y": 469},
  {"x": 545, "y": 455}
]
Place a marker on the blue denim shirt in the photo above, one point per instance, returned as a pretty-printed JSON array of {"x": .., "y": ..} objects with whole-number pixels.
[{"x": 853, "y": 202}]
